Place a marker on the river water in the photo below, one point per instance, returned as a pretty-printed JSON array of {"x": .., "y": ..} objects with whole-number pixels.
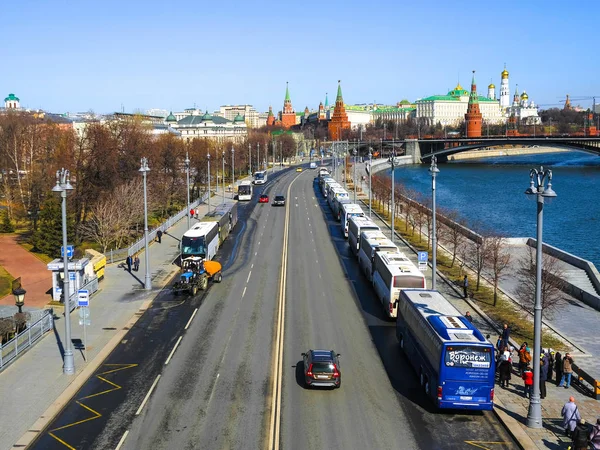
[{"x": 490, "y": 192}]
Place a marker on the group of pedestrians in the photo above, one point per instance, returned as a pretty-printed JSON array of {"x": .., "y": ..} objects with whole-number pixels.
[
  {"x": 133, "y": 262},
  {"x": 577, "y": 429}
]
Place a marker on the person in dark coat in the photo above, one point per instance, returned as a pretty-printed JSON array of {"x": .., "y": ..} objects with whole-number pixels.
[
  {"x": 550, "y": 365},
  {"x": 505, "y": 334},
  {"x": 558, "y": 367},
  {"x": 504, "y": 372},
  {"x": 129, "y": 262},
  {"x": 580, "y": 436},
  {"x": 136, "y": 263},
  {"x": 465, "y": 286},
  {"x": 543, "y": 375},
  {"x": 469, "y": 317},
  {"x": 159, "y": 234}
]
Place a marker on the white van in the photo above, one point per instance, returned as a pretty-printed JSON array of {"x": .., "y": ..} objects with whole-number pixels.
[
  {"x": 394, "y": 272},
  {"x": 355, "y": 226},
  {"x": 349, "y": 210},
  {"x": 371, "y": 242},
  {"x": 313, "y": 165}
]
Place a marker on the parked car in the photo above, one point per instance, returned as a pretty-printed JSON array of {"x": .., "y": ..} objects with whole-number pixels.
[
  {"x": 264, "y": 198},
  {"x": 322, "y": 368},
  {"x": 279, "y": 200}
]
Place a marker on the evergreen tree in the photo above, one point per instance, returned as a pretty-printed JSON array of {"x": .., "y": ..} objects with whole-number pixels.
[
  {"x": 48, "y": 237},
  {"x": 6, "y": 226}
]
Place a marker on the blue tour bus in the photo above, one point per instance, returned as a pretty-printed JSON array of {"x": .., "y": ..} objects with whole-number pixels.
[{"x": 453, "y": 360}]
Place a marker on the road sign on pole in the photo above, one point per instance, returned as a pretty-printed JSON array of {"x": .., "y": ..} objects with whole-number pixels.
[
  {"x": 422, "y": 258},
  {"x": 83, "y": 297},
  {"x": 70, "y": 251}
]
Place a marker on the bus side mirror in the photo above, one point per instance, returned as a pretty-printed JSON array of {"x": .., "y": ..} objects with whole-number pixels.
[{"x": 303, "y": 354}]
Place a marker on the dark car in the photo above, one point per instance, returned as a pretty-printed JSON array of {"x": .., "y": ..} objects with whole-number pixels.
[
  {"x": 279, "y": 200},
  {"x": 322, "y": 368},
  {"x": 264, "y": 198}
]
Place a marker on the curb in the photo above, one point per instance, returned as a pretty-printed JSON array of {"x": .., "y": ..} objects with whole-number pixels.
[
  {"x": 514, "y": 428},
  {"x": 67, "y": 395}
]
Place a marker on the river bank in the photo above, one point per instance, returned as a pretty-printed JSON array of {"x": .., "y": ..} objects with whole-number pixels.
[{"x": 498, "y": 152}]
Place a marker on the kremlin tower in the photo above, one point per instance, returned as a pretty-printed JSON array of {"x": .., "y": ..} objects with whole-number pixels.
[
  {"x": 288, "y": 116},
  {"x": 504, "y": 90},
  {"x": 270, "y": 117},
  {"x": 473, "y": 115},
  {"x": 339, "y": 121}
]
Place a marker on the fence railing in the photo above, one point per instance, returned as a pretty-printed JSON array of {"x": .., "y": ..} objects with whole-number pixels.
[
  {"x": 122, "y": 253},
  {"x": 19, "y": 344}
]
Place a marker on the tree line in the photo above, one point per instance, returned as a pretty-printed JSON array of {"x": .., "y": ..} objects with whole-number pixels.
[{"x": 105, "y": 208}]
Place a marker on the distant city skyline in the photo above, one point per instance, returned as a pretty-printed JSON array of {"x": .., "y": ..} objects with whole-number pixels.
[{"x": 134, "y": 55}]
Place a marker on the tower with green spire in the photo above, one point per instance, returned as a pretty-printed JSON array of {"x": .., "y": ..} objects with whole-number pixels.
[
  {"x": 473, "y": 117},
  {"x": 339, "y": 121},
  {"x": 288, "y": 116}
]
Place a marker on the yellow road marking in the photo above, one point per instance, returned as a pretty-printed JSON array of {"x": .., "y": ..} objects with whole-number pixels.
[
  {"x": 96, "y": 414},
  {"x": 479, "y": 444}
]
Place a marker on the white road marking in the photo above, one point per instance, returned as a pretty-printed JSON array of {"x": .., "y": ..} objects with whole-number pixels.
[
  {"x": 259, "y": 242},
  {"x": 255, "y": 253},
  {"x": 122, "y": 441},
  {"x": 191, "y": 318},
  {"x": 244, "y": 292},
  {"x": 249, "y": 274},
  {"x": 252, "y": 266},
  {"x": 137, "y": 413},
  {"x": 173, "y": 351}
]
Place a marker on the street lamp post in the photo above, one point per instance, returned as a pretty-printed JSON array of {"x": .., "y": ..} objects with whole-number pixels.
[
  {"x": 223, "y": 176},
  {"x": 434, "y": 171},
  {"x": 249, "y": 159},
  {"x": 147, "y": 281},
  {"x": 232, "y": 172},
  {"x": 187, "y": 171},
  {"x": 354, "y": 182},
  {"x": 370, "y": 172},
  {"x": 63, "y": 185},
  {"x": 208, "y": 176},
  {"x": 258, "y": 156},
  {"x": 392, "y": 162},
  {"x": 19, "y": 294},
  {"x": 536, "y": 187}
]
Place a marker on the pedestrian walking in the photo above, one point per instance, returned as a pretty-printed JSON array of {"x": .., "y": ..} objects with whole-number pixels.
[
  {"x": 129, "y": 262},
  {"x": 594, "y": 436},
  {"x": 558, "y": 367},
  {"x": 505, "y": 334},
  {"x": 527, "y": 376},
  {"x": 136, "y": 263},
  {"x": 159, "y": 234},
  {"x": 567, "y": 371},
  {"x": 469, "y": 317},
  {"x": 192, "y": 212},
  {"x": 570, "y": 415},
  {"x": 543, "y": 375},
  {"x": 465, "y": 285},
  {"x": 580, "y": 436}
]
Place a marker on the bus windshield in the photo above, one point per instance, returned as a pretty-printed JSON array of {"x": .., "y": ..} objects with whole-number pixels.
[
  {"x": 193, "y": 246},
  {"x": 259, "y": 176},
  {"x": 468, "y": 357},
  {"x": 244, "y": 189}
]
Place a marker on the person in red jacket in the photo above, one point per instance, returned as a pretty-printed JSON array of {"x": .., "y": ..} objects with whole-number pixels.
[{"x": 528, "y": 379}]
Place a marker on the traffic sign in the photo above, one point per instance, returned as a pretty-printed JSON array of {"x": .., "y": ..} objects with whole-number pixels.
[
  {"x": 70, "y": 251},
  {"x": 423, "y": 256},
  {"x": 83, "y": 297}
]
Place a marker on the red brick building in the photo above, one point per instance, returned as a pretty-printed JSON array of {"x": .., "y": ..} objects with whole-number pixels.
[
  {"x": 473, "y": 116},
  {"x": 339, "y": 121}
]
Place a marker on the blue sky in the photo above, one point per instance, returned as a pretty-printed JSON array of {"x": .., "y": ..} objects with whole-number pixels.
[{"x": 68, "y": 56}]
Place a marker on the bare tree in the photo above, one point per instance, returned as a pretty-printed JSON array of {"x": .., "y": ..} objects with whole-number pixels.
[
  {"x": 454, "y": 234},
  {"x": 498, "y": 260},
  {"x": 479, "y": 257},
  {"x": 552, "y": 284}
]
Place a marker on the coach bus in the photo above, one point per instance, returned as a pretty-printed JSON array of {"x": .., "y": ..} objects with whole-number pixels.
[
  {"x": 347, "y": 211},
  {"x": 392, "y": 273},
  {"x": 260, "y": 177},
  {"x": 201, "y": 240},
  {"x": 226, "y": 216},
  {"x": 355, "y": 226},
  {"x": 453, "y": 360},
  {"x": 372, "y": 241},
  {"x": 245, "y": 191}
]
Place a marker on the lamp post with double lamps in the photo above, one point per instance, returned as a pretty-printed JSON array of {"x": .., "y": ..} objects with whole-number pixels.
[
  {"x": 393, "y": 164},
  {"x": 354, "y": 153},
  {"x": 249, "y": 159},
  {"x": 370, "y": 172},
  {"x": 208, "y": 177},
  {"x": 232, "y": 172},
  {"x": 63, "y": 185},
  {"x": 187, "y": 172},
  {"x": 434, "y": 171},
  {"x": 537, "y": 188},
  {"x": 147, "y": 280},
  {"x": 223, "y": 175}
]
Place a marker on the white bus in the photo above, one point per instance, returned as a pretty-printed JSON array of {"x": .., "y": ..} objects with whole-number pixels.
[
  {"x": 336, "y": 206},
  {"x": 201, "y": 240},
  {"x": 372, "y": 241},
  {"x": 394, "y": 272},
  {"x": 245, "y": 191},
  {"x": 336, "y": 193},
  {"x": 348, "y": 210},
  {"x": 260, "y": 177},
  {"x": 325, "y": 186},
  {"x": 355, "y": 226}
]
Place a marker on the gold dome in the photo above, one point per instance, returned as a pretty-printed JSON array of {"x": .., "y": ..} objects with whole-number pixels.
[
  {"x": 492, "y": 86},
  {"x": 458, "y": 87},
  {"x": 524, "y": 96},
  {"x": 504, "y": 74}
]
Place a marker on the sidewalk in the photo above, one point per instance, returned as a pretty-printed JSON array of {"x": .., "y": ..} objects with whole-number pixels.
[
  {"x": 35, "y": 276},
  {"x": 511, "y": 406},
  {"x": 35, "y": 381}
]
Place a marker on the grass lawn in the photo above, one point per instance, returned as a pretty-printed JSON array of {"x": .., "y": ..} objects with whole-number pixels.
[
  {"x": 5, "y": 282},
  {"x": 41, "y": 256}
]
